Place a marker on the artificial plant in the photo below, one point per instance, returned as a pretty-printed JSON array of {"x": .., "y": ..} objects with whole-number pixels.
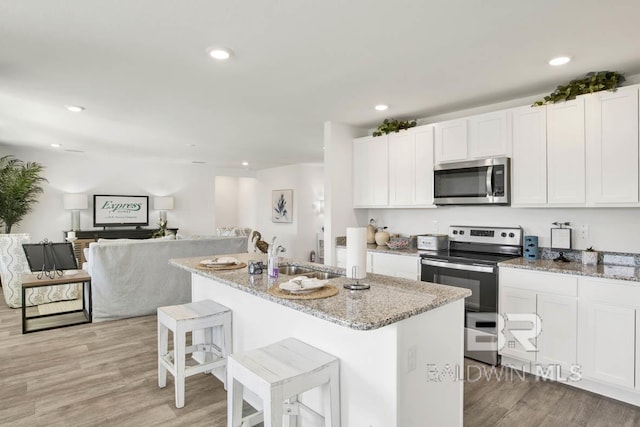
[
  {"x": 393, "y": 125},
  {"x": 20, "y": 186},
  {"x": 594, "y": 81}
]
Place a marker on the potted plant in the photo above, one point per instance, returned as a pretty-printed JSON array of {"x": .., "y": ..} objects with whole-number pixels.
[
  {"x": 20, "y": 185},
  {"x": 590, "y": 83},
  {"x": 590, "y": 256}
]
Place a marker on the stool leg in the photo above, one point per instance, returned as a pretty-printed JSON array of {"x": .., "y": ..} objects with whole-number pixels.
[
  {"x": 226, "y": 344},
  {"x": 208, "y": 340},
  {"x": 273, "y": 412},
  {"x": 332, "y": 401},
  {"x": 234, "y": 402},
  {"x": 179, "y": 347},
  {"x": 293, "y": 420},
  {"x": 163, "y": 346}
]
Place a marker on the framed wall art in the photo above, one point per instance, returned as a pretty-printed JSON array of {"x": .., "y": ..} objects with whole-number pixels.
[{"x": 282, "y": 206}]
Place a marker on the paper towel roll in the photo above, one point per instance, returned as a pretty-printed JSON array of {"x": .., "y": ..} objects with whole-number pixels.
[{"x": 356, "y": 253}]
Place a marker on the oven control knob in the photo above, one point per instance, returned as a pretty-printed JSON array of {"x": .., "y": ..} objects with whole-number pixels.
[
  {"x": 503, "y": 234},
  {"x": 461, "y": 232},
  {"x": 512, "y": 235},
  {"x": 455, "y": 231}
]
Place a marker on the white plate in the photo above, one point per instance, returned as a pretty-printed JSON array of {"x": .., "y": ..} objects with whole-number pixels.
[
  {"x": 220, "y": 261},
  {"x": 302, "y": 284},
  {"x": 71, "y": 272}
]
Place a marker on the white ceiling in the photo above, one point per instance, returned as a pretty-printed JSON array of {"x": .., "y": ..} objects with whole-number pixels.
[{"x": 141, "y": 70}]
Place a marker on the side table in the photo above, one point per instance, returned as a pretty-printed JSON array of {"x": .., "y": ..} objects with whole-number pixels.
[{"x": 33, "y": 321}]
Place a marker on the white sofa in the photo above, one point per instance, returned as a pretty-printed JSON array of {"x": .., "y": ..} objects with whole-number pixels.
[{"x": 133, "y": 277}]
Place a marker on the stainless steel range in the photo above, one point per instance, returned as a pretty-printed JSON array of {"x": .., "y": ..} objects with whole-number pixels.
[{"x": 471, "y": 262}]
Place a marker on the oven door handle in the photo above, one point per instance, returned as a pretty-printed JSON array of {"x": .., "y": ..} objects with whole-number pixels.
[{"x": 466, "y": 267}]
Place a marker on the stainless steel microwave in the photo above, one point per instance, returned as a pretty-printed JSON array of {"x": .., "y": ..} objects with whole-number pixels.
[{"x": 477, "y": 182}]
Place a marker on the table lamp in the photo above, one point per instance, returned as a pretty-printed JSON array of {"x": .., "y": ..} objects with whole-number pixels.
[
  {"x": 75, "y": 203},
  {"x": 163, "y": 204}
]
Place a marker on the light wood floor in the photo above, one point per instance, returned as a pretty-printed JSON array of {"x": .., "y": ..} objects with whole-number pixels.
[{"x": 106, "y": 374}]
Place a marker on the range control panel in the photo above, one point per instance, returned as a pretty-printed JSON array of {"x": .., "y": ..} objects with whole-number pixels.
[{"x": 488, "y": 235}]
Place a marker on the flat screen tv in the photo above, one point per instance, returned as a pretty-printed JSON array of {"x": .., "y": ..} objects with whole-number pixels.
[
  {"x": 50, "y": 256},
  {"x": 113, "y": 210}
]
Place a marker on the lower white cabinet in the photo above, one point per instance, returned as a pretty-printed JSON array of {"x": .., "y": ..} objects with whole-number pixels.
[
  {"x": 557, "y": 343},
  {"x": 516, "y": 301},
  {"x": 638, "y": 350},
  {"x": 394, "y": 265},
  {"x": 554, "y": 299},
  {"x": 608, "y": 331}
]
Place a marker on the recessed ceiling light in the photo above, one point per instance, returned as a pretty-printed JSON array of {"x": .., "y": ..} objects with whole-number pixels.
[
  {"x": 197, "y": 162},
  {"x": 219, "y": 53},
  {"x": 245, "y": 163},
  {"x": 56, "y": 145},
  {"x": 381, "y": 107},
  {"x": 560, "y": 60},
  {"x": 75, "y": 108}
]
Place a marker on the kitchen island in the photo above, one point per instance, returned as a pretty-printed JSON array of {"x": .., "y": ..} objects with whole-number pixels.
[{"x": 400, "y": 343}]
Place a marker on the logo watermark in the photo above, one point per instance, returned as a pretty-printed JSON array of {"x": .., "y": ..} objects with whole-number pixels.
[{"x": 503, "y": 373}]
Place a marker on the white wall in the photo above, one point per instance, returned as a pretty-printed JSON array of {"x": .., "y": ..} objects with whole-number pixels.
[
  {"x": 226, "y": 201},
  {"x": 192, "y": 185},
  {"x": 338, "y": 184},
  {"x": 610, "y": 229},
  {"x": 306, "y": 181}
]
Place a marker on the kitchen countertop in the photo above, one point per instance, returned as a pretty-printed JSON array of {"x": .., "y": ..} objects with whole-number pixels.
[
  {"x": 617, "y": 272},
  {"x": 385, "y": 249},
  {"x": 389, "y": 300}
]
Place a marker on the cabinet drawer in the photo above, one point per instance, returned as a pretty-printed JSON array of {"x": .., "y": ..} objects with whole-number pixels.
[
  {"x": 559, "y": 284},
  {"x": 618, "y": 292}
]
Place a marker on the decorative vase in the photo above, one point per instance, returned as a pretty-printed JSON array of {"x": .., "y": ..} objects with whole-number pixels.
[
  {"x": 371, "y": 234},
  {"x": 589, "y": 257},
  {"x": 381, "y": 237}
]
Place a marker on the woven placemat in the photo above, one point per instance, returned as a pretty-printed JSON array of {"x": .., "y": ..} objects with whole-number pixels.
[
  {"x": 221, "y": 267},
  {"x": 324, "y": 292}
]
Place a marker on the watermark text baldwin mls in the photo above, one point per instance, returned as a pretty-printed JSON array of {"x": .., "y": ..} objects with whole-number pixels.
[{"x": 474, "y": 373}]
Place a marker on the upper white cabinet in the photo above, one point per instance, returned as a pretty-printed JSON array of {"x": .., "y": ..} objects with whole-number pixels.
[
  {"x": 411, "y": 167},
  {"x": 370, "y": 172},
  {"x": 451, "y": 141},
  {"x": 529, "y": 160},
  {"x": 488, "y": 135},
  {"x": 612, "y": 147},
  {"x": 566, "y": 153},
  {"x": 484, "y": 135}
]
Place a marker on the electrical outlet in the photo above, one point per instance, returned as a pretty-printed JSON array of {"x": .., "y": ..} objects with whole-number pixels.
[
  {"x": 584, "y": 231},
  {"x": 434, "y": 226},
  {"x": 412, "y": 362}
]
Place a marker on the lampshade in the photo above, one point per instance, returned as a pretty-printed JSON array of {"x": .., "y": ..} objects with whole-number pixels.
[
  {"x": 75, "y": 201},
  {"x": 163, "y": 203}
]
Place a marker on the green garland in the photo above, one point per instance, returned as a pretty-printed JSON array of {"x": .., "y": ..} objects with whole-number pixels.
[
  {"x": 393, "y": 125},
  {"x": 590, "y": 83}
]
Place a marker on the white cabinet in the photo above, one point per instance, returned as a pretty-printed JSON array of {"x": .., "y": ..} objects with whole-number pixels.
[
  {"x": 395, "y": 265},
  {"x": 566, "y": 153},
  {"x": 475, "y": 137},
  {"x": 411, "y": 167},
  {"x": 370, "y": 172},
  {"x": 488, "y": 135},
  {"x": 451, "y": 141},
  {"x": 529, "y": 159},
  {"x": 612, "y": 146},
  {"x": 638, "y": 350},
  {"x": 554, "y": 299},
  {"x": 608, "y": 331},
  {"x": 557, "y": 343},
  {"x": 516, "y": 301}
]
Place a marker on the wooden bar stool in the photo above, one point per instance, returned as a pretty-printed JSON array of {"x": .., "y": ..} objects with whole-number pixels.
[
  {"x": 204, "y": 315},
  {"x": 278, "y": 373}
]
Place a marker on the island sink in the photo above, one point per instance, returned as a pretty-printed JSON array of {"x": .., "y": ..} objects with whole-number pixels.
[{"x": 294, "y": 270}]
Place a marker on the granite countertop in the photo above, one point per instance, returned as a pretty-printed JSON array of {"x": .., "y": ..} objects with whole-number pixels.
[
  {"x": 388, "y": 301},
  {"x": 618, "y": 272},
  {"x": 385, "y": 249}
]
